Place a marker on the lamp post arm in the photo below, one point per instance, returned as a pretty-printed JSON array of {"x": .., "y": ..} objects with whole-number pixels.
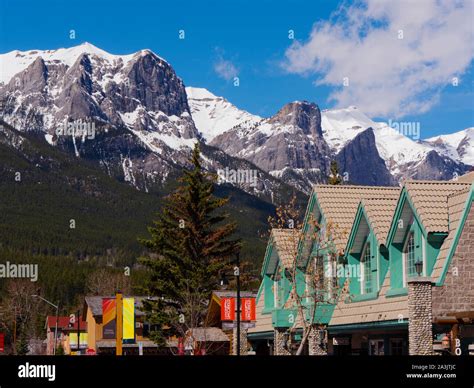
[
  {"x": 47, "y": 301},
  {"x": 57, "y": 318}
]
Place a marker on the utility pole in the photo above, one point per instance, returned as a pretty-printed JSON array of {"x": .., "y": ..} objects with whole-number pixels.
[
  {"x": 78, "y": 332},
  {"x": 56, "y": 306},
  {"x": 224, "y": 283},
  {"x": 237, "y": 274},
  {"x": 118, "y": 323},
  {"x": 14, "y": 333}
]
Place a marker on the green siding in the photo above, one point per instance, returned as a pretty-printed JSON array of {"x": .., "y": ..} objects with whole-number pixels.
[
  {"x": 354, "y": 282},
  {"x": 284, "y": 288},
  {"x": 374, "y": 247},
  {"x": 433, "y": 245},
  {"x": 269, "y": 300},
  {"x": 383, "y": 264},
  {"x": 396, "y": 266},
  {"x": 300, "y": 282},
  {"x": 284, "y": 317}
]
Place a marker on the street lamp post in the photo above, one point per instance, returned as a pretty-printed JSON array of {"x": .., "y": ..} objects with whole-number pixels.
[
  {"x": 224, "y": 282},
  {"x": 57, "y": 317},
  {"x": 237, "y": 274}
]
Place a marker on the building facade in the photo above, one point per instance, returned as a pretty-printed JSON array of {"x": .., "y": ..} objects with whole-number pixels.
[{"x": 399, "y": 279}]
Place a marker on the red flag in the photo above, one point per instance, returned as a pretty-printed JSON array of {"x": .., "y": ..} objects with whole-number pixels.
[
  {"x": 227, "y": 309},
  {"x": 248, "y": 309}
]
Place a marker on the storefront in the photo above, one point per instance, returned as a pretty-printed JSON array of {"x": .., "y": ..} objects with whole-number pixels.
[{"x": 373, "y": 339}]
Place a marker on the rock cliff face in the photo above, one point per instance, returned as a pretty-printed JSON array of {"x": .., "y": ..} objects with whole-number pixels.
[
  {"x": 362, "y": 162},
  {"x": 288, "y": 145},
  {"x": 134, "y": 107}
]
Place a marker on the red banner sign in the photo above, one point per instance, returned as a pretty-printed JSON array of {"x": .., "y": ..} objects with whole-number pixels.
[
  {"x": 248, "y": 309},
  {"x": 2, "y": 343},
  {"x": 227, "y": 309}
]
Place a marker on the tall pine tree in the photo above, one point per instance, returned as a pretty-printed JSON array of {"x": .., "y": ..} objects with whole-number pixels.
[{"x": 190, "y": 244}]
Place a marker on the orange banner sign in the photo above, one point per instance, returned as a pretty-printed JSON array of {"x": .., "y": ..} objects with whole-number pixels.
[
  {"x": 248, "y": 309},
  {"x": 227, "y": 309}
]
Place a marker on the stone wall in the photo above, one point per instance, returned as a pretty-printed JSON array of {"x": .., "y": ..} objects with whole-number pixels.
[
  {"x": 420, "y": 318},
  {"x": 280, "y": 348},
  {"x": 457, "y": 292},
  {"x": 317, "y": 346},
  {"x": 243, "y": 342}
]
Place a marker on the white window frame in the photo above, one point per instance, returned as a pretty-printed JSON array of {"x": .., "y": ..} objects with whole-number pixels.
[
  {"x": 405, "y": 257},
  {"x": 410, "y": 235},
  {"x": 275, "y": 292},
  {"x": 363, "y": 265}
]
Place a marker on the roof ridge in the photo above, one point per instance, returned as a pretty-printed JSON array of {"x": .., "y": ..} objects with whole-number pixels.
[
  {"x": 460, "y": 192},
  {"x": 356, "y": 187},
  {"x": 380, "y": 199},
  {"x": 436, "y": 182}
]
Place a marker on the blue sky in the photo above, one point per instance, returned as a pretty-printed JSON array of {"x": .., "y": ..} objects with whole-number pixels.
[{"x": 250, "y": 39}]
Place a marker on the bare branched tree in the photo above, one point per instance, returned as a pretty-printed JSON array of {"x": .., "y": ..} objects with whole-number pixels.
[
  {"x": 313, "y": 253},
  {"x": 20, "y": 313},
  {"x": 107, "y": 282}
]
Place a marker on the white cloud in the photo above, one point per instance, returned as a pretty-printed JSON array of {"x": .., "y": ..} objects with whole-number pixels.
[
  {"x": 225, "y": 69},
  {"x": 388, "y": 76}
]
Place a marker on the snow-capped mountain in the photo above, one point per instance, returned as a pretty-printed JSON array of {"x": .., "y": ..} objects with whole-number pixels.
[
  {"x": 288, "y": 145},
  {"x": 128, "y": 113},
  {"x": 342, "y": 125},
  {"x": 214, "y": 115},
  {"x": 458, "y": 146},
  {"x": 284, "y": 147},
  {"x": 140, "y": 91},
  {"x": 133, "y": 116},
  {"x": 400, "y": 152}
]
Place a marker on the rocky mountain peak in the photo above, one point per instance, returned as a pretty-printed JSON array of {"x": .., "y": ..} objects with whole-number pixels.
[
  {"x": 154, "y": 83},
  {"x": 303, "y": 114},
  {"x": 32, "y": 80}
]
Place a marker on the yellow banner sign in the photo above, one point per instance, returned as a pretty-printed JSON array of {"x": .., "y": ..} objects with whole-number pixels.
[{"x": 128, "y": 318}]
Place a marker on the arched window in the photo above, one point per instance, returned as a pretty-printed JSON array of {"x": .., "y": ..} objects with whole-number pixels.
[{"x": 366, "y": 284}]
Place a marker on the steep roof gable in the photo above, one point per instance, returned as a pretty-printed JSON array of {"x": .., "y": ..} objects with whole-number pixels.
[
  {"x": 339, "y": 203},
  {"x": 282, "y": 247},
  {"x": 373, "y": 214},
  {"x": 430, "y": 201},
  {"x": 459, "y": 205}
]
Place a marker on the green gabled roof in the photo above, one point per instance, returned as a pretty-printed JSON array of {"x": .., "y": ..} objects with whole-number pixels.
[
  {"x": 281, "y": 248},
  {"x": 428, "y": 203},
  {"x": 378, "y": 213},
  {"x": 338, "y": 204}
]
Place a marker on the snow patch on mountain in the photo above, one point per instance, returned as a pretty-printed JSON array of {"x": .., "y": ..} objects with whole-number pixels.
[
  {"x": 16, "y": 61},
  {"x": 342, "y": 125},
  {"x": 215, "y": 115},
  {"x": 458, "y": 146}
]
